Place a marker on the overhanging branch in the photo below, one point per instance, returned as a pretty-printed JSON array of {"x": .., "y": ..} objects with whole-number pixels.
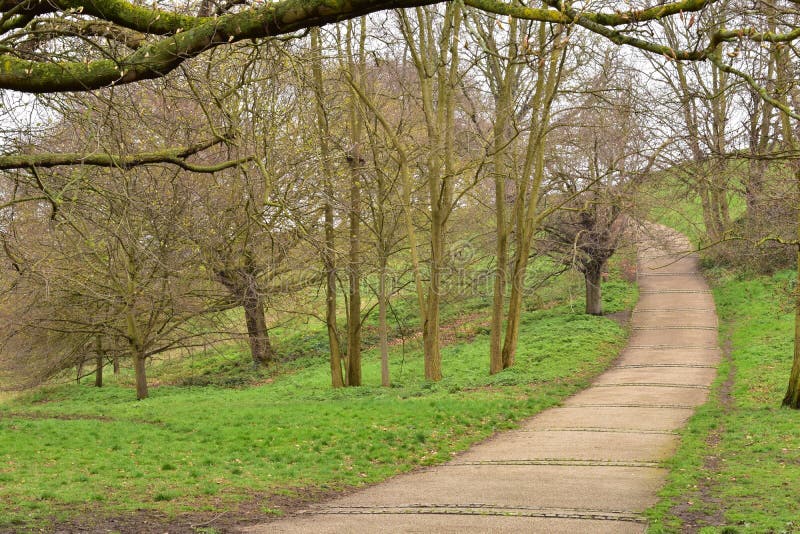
[
  {"x": 172, "y": 156},
  {"x": 179, "y": 37}
]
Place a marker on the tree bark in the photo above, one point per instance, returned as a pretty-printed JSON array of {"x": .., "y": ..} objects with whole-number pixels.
[
  {"x": 792, "y": 397},
  {"x": 354, "y": 277},
  {"x": 592, "y": 277},
  {"x": 139, "y": 360},
  {"x": 383, "y": 327},
  {"x": 356, "y": 63},
  {"x": 515, "y": 302},
  {"x": 257, "y": 332},
  {"x": 98, "y": 374},
  {"x": 754, "y": 188}
]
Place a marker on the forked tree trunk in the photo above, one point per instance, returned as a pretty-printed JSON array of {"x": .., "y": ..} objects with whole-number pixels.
[
  {"x": 526, "y": 217},
  {"x": 594, "y": 300}
]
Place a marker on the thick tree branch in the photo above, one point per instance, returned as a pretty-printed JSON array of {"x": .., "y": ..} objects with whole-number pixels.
[
  {"x": 179, "y": 37},
  {"x": 172, "y": 156},
  {"x": 185, "y": 36}
]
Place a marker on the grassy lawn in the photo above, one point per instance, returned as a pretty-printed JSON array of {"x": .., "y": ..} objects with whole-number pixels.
[
  {"x": 70, "y": 450},
  {"x": 739, "y": 461}
]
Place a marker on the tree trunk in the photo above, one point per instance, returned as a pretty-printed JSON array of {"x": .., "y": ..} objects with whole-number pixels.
[
  {"x": 430, "y": 327},
  {"x": 430, "y": 339},
  {"x": 711, "y": 212},
  {"x": 354, "y": 276},
  {"x": 329, "y": 250},
  {"x": 328, "y": 259},
  {"x": 754, "y": 187},
  {"x": 594, "y": 301},
  {"x": 116, "y": 364},
  {"x": 792, "y": 398},
  {"x": 383, "y": 327},
  {"x": 498, "y": 307},
  {"x": 356, "y": 63},
  {"x": 501, "y": 169},
  {"x": 98, "y": 374},
  {"x": 257, "y": 332},
  {"x": 515, "y": 302},
  {"x": 141, "y": 375}
]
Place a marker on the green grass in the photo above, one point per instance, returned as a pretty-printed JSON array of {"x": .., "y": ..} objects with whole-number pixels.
[
  {"x": 675, "y": 205},
  {"x": 738, "y": 465},
  {"x": 71, "y": 449}
]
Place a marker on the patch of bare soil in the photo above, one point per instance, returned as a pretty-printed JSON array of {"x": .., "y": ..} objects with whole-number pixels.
[
  {"x": 622, "y": 318},
  {"x": 711, "y": 511},
  {"x": 259, "y": 509}
]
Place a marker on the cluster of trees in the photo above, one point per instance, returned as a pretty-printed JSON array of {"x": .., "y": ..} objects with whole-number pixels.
[{"x": 286, "y": 157}]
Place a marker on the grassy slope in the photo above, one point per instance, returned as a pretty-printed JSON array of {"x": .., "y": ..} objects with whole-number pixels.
[
  {"x": 739, "y": 461},
  {"x": 739, "y": 458},
  {"x": 70, "y": 449}
]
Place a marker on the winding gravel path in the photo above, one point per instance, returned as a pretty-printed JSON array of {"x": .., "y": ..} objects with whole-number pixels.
[{"x": 590, "y": 465}]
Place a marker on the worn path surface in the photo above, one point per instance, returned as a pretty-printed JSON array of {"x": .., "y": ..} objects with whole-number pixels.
[{"x": 590, "y": 465}]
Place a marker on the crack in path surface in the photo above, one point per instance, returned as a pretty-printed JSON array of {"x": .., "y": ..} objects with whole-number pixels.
[{"x": 591, "y": 465}]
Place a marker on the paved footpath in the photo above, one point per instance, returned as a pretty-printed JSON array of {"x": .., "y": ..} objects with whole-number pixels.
[{"x": 589, "y": 465}]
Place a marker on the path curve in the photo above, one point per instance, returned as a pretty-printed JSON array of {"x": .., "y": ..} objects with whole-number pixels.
[{"x": 589, "y": 465}]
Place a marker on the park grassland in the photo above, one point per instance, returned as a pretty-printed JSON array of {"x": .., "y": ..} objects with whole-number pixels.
[{"x": 69, "y": 450}]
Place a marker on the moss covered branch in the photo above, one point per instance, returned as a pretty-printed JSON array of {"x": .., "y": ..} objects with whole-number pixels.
[{"x": 173, "y": 37}]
